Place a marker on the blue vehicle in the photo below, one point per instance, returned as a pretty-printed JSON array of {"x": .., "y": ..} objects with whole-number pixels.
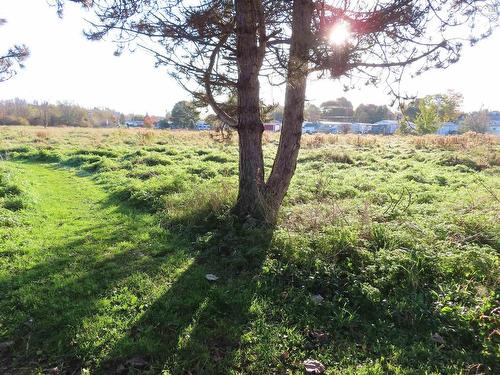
[
  {"x": 310, "y": 127},
  {"x": 202, "y": 126}
]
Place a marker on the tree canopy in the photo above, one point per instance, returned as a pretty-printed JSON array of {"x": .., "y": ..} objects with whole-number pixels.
[
  {"x": 184, "y": 114},
  {"x": 220, "y": 48},
  {"x": 337, "y": 110},
  {"x": 196, "y": 40},
  {"x": 371, "y": 113},
  {"x": 430, "y": 112}
]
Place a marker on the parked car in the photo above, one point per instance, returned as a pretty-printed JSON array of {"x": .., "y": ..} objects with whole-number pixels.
[
  {"x": 202, "y": 126},
  {"x": 310, "y": 127}
]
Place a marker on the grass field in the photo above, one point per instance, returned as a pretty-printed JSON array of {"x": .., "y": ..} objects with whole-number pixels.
[{"x": 106, "y": 237}]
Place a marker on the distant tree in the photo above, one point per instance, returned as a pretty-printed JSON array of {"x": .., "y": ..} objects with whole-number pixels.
[
  {"x": 371, "y": 113},
  {"x": 185, "y": 114},
  {"x": 409, "y": 110},
  {"x": 478, "y": 122},
  {"x": 427, "y": 120},
  {"x": 148, "y": 122},
  {"x": 122, "y": 119},
  {"x": 312, "y": 112},
  {"x": 337, "y": 110},
  {"x": 17, "y": 111},
  {"x": 12, "y": 59},
  {"x": 44, "y": 113},
  {"x": 447, "y": 106}
]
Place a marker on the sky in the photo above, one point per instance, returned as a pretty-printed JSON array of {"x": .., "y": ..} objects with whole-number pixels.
[{"x": 64, "y": 66}]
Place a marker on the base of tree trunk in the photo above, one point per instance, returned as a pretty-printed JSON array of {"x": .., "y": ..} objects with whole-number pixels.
[{"x": 255, "y": 209}]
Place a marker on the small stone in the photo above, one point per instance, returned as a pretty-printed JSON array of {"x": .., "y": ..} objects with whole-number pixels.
[
  {"x": 317, "y": 299},
  {"x": 211, "y": 277},
  {"x": 314, "y": 367},
  {"x": 436, "y": 337}
]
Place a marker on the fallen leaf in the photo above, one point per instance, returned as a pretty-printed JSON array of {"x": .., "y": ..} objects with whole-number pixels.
[
  {"x": 317, "y": 299},
  {"x": 211, "y": 277},
  {"x": 314, "y": 367},
  {"x": 436, "y": 337}
]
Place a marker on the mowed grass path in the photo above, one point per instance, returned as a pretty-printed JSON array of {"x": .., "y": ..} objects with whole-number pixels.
[{"x": 80, "y": 270}]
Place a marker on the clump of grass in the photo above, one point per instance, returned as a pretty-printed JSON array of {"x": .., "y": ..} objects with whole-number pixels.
[
  {"x": 457, "y": 160},
  {"x": 12, "y": 195},
  {"x": 455, "y": 142},
  {"x": 145, "y": 137},
  {"x": 42, "y": 135},
  {"x": 318, "y": 140},
  {"x": 200, "y": 207},
  {"x": 153, "y": 159},
  {"x": 328, "y": 157}
]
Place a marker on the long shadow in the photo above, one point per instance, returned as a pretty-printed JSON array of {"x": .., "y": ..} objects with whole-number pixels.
[{"x": 195, "y": 326}]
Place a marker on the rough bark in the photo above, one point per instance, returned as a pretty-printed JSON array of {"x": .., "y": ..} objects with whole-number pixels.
[
  {"x": 289, "y": 145},
  {"x": 250, "y": 128}
]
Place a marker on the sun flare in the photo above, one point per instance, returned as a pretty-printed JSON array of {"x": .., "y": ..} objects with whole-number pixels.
[{"x": 340, "y": 33}]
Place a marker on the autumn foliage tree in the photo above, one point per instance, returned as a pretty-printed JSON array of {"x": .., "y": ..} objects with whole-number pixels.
[
  {"x": 148, "y": 122},
  {"x": 218, "y": 48}
]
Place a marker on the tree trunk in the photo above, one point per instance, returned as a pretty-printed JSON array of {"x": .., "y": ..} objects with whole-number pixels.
[
  {"x": 250, "y": 201},
  {"x": 289, "y": 145}
]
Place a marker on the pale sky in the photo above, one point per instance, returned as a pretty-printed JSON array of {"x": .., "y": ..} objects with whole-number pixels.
[{"x": 64, "y": 66}]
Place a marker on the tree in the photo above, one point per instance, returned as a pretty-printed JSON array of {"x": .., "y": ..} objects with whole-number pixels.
[
  {"x": 12, "y": 59},
  {"x": 478, "y": 122},
  {"x": 121, "y": 119},
  {"x": 220, "y": 47},
  {"x": 448, "y": 105},
  {"x": 433, "y": 110},
  {"x": 427, "y": 120},
  {"x": 184, "y": 115},
  {"x": 312, "y": 113},
  {"x": 371, "y": 113},
  {"x": 337, "y": 110},
  {"x": 148, "y": 122}
]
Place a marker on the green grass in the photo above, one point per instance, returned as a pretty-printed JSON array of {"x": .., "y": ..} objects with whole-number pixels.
[{"x": 103, "y": 259}]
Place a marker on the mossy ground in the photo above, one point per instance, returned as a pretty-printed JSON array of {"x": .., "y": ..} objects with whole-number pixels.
[{"x": 106, "y": 237}]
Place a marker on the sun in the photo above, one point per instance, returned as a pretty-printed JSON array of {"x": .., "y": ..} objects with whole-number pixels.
[{"x": 340, "y": 33}]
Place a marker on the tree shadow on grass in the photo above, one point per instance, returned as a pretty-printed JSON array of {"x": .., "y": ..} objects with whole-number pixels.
[{"x": 195, "y": 325}]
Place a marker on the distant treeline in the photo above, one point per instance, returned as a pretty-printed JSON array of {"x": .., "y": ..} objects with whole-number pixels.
[{"x": 20, "y": 112}]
